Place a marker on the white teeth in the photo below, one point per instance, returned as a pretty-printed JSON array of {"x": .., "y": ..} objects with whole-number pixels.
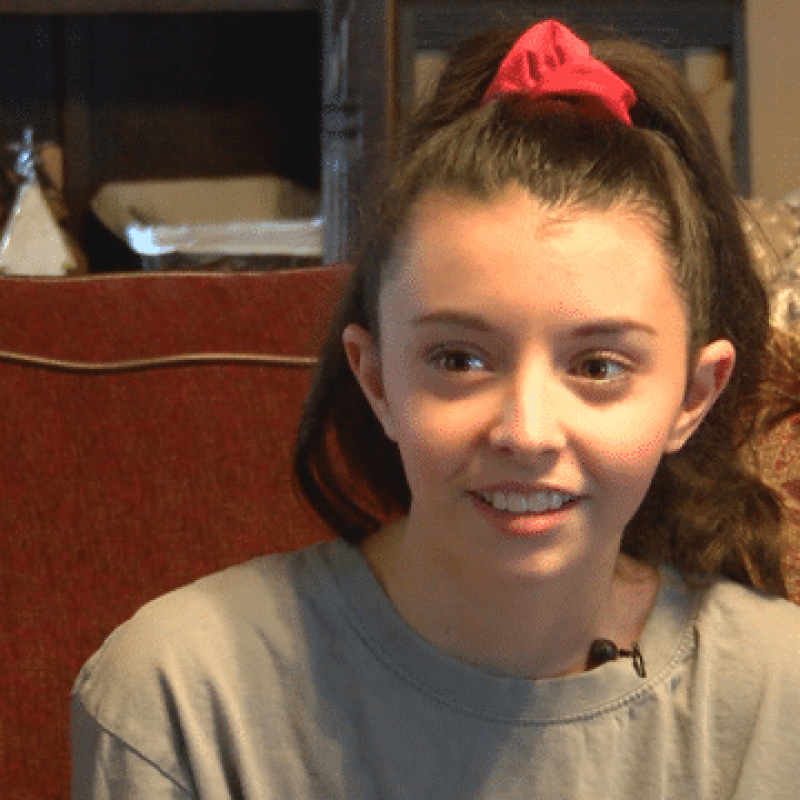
[
  {"x": 533, "y": 503},
  {"x": 539, "y": 503},
  {"x": 498, "y": 500},
  {"x": 517, "y": 503}
]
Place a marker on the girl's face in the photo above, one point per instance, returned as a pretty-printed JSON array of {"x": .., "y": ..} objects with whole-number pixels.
[{"x": 533, "y": 369}]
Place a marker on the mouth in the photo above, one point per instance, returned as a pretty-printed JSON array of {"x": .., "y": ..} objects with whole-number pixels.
[{"x": 544, "y": 501}]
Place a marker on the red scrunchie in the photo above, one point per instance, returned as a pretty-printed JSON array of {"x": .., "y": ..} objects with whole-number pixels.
[{"x": 550, "y": 60}]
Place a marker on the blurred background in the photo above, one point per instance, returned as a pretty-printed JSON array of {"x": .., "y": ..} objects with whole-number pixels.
[{"x": 309, "y": 93}]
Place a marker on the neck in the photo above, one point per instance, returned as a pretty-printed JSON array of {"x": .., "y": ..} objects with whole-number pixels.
[{"x": 509, "y": 623}]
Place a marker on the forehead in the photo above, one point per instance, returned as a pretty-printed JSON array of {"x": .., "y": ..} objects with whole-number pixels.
[{"x": 511, "y": 256}]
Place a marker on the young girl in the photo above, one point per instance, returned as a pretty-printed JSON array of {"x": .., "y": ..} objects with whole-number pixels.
[{"x": 525, "y": 428}]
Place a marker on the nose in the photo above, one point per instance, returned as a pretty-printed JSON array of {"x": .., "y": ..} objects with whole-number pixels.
[{"x": 530, "y": 418}]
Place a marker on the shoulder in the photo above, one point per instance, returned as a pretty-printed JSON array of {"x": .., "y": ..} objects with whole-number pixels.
[
  {"x": 199, "y": 635},
  {"x": 746, "y": 686},
  {"x": 212, "y": 669},
  {"x": 740, "y": 610},
  {"x": 749, "y": 631}
]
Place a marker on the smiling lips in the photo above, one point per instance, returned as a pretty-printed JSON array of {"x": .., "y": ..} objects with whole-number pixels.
[{"x": 538, "y": 502}]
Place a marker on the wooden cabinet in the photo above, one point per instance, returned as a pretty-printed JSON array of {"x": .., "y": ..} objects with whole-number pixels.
[
  {"x": 194, "y": 88},
  {"x": 309, "y": 89}
]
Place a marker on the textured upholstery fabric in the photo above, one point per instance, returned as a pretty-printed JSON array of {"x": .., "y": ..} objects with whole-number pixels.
[
  {"x": 119, "y": 485},
  {"x": 777, "y": 455}
]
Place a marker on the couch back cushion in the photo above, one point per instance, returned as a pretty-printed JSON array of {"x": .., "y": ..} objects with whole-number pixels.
[{"x": 145, "y": 440}]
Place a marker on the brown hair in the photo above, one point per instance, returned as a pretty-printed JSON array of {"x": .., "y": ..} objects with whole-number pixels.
[{"x": 705, "y": 512}]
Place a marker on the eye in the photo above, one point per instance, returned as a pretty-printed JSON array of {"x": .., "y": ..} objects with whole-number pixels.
[
  {"x": 600, "y": 367},
  {"x": 455, "y": 359}
]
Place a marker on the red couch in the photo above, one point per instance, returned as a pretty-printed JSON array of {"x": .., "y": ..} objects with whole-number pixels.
[
  {"x": 146, "y": 428},
  {"x": 131, "y": 466}
]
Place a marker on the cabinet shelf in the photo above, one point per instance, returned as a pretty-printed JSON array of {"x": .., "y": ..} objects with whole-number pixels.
[{"x": 49, "y": 78}]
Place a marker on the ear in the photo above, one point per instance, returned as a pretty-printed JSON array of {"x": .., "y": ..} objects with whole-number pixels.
[
  {"x": 712, "y": 371},
  {"x": 364, "y": 358}
]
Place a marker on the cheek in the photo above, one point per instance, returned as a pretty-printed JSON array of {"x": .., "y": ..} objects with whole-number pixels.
[
  {"x": 625, "y": 453},
  {"x": 435, "y": 438}
]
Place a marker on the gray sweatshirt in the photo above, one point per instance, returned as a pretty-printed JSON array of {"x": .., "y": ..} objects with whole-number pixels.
[{"x": 292, "y": 677}]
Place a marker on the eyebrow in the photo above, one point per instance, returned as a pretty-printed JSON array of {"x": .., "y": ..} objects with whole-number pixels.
[
  {"x": 612, "y": 326},
  {"x": 460, "y": 318}
]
